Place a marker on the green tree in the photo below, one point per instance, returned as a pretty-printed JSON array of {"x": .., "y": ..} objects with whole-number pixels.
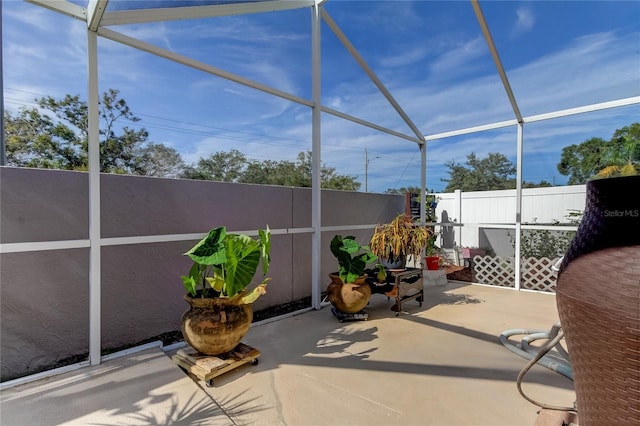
[
  {"x": 583, "y": 161},
  {"x": 161, "y": 161},
  {"x": 37, "y": 139},
  {"x": 624, "y": 155},
  {"x": 270, "y": 172},
  {"x": 328, "y": 176},
  {"x": 234, "y": 167},
  {"x": 580, "y": 162},
  {"x": 404, "y": 190},
  {"x": 342, "y": 182},
  {"x": 491, "y": 173},
  {"x": 220, "y": 166},
  {"x": 525, "y": 184}
]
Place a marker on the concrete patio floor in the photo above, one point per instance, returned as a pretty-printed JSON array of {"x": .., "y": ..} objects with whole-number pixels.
[{"x": 438, "y": 364}]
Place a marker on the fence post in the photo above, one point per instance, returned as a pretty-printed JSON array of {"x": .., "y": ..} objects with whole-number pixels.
[{"x": 458, "y": 209}]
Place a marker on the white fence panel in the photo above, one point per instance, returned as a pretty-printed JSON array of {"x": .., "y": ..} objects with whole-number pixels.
[{"x": 475, "y": 209}]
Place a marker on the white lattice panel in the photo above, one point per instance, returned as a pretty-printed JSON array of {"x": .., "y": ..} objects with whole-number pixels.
[
  {"x": 497, "y": 271},
  {"x": 500, "y": 271},
  {"x": 538, "y": 275}
]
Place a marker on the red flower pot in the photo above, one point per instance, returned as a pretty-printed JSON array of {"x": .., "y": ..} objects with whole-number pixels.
[{"x": 433, "y": 262}]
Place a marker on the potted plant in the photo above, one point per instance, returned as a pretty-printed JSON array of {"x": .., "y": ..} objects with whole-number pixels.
[
  {"x": 393, "y": 242},
  {"x": 217, "y": 288},
  {"x": 348, "y": 291},
  {"x": 432, "y": 259}
]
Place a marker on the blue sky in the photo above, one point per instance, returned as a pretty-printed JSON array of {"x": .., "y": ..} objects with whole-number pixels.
[{"x": 430, "y": 55}]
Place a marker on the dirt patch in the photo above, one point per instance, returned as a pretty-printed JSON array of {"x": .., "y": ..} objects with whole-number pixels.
[{"x": 461, "y": 273}]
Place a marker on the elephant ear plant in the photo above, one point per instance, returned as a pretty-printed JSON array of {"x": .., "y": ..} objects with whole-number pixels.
[
  {"x": 224, "y": 266},
  {"x": 352, "y": 257}
]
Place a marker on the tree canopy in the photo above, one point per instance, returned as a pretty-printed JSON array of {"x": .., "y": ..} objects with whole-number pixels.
[
  {"x": 494, "y": 172},
  {"x": 583, "y": 161},
  {"x": 490, "y": 173},
  {"x": 36, "y": 139},
  {"x": 220, "y": 166},
  {"x": 233, "y": 166},
  {"x": 404, "y": 190},
  {"x": 54, "y": 135}
]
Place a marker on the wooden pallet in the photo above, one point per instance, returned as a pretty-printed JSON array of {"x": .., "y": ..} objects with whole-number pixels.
[{"x": 207, "y": 367}]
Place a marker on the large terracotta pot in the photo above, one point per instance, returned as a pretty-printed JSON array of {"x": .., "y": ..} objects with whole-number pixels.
[
  {"x": 213, "y": 326},
  {"x": 349, "y": 298},
  {"x": 598, "y": 299}
]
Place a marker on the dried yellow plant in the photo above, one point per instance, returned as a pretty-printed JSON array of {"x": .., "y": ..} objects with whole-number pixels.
[{"x": 401, "y": 237}]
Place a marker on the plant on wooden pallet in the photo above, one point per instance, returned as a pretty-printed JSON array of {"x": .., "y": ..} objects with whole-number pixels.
[{"x": 217, "y": 288}]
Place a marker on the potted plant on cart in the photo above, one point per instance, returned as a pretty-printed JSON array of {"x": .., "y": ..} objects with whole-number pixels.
[
  {"x": 393, "y": 242},
  {"x": 348, "y": 291},
  {"x": 217, "y": 286}
]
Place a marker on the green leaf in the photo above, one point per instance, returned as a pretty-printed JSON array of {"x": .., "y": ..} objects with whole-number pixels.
[
  {"x": 265, "y": 256},
  {"x": 243, "y": 257},
  {"x": 228, "y": 262},
  {"x": 210, "y": 250},
  {"x": 352, "y": 257},
  {"x": 350, "y": 245},
  {"x": 189, "y": 284},
  {"x": 335, "y": 245},
  {"x": 216, "y": 282}
]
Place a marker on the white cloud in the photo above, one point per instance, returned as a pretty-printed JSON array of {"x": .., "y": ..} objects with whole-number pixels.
[
  {"x": 388, "y": 16},
  {"x": 37, "y": 18},
  {"x": 408, "y": 57},
  {"x": 45, "y": 54},
  {"x": 457, "y": 60},
  {"x": 593, "y": 68},
  {"x": 524, "y": 23}
]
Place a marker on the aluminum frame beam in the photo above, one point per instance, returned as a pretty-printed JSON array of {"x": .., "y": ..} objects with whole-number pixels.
[
  {"x": 496, "y": 59},
  {"x": 184, "y": 60},
  {"x": 95, "y": 248},
  {"x": 634, "y": 100},
  {"x": 316, "y": 158},
  {"x": 64, "y": 7},
  {"x": 374, "y": 78},
  {"x": 196, "y": 12},
  {"x": 95, "y": 11}
]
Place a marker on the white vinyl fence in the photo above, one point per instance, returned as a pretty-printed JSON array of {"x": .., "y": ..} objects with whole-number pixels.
[{"x": 489, "y": 220}]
